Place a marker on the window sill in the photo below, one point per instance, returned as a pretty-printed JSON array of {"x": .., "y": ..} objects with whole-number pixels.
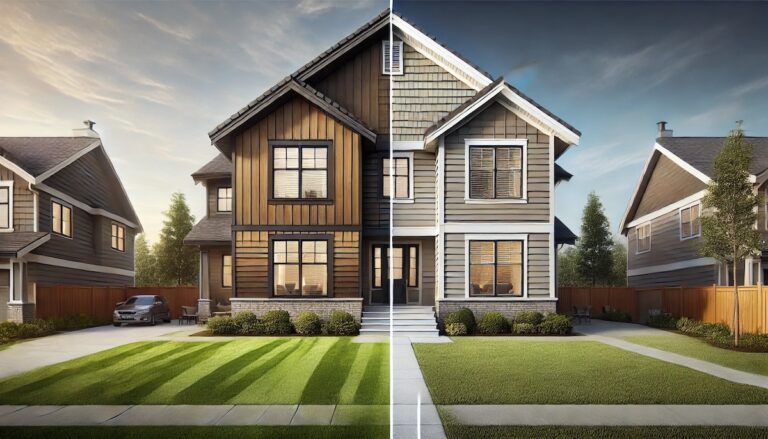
[
  {"x": 642, "y": 252},
  {"x": 403, "y": 201},
  {"x": 492, "y": 201},
  {"x": 10, "y": 230},
  {"x": 300, "y": 201},
  {"x": 689, "y": 237}
]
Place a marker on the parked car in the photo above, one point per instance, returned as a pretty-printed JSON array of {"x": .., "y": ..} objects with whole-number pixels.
[{"x": 142, "y": 309}]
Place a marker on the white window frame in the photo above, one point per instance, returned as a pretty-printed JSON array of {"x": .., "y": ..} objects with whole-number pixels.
[
  {"x": 469, "y": 143},
  {"x": 496, "y": 237},
  {"x": 384, "y": 71},
  {"x": 637, "y": 238},
  {"x": 680, "y": 221},
  {"x": 411, "y": 189},
  {"x": 71, "y": 219},
  {"x": 9, "y": 185}
]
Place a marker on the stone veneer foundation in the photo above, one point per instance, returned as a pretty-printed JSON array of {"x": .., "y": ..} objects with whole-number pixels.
[
  {"x": 506, "y": 308},
  {"x": 323, "y": 307},
  {"x": 21, "y": 312}
]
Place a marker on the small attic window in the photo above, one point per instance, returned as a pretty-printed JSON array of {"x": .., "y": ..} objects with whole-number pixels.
[{"x": 392, "y": 64}]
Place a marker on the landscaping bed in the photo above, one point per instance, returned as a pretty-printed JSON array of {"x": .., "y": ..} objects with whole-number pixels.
[
  {"x": 277, "y": 322},
  {"x": 716, "y": 334},
  {"x": 11, "y": 332},
  {"x": 568, "y": 432},
  {"x": 462, "y": 322}
]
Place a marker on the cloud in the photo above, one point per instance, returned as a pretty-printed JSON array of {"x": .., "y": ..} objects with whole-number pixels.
[
  {"x": 749, "y": 88},
  {"x": 174, "y": 31},
  {"x": 594, "y": 162}
]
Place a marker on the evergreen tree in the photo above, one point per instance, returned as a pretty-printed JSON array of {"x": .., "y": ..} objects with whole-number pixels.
[
  {"x": 619, "y": 265},
  {"x": 568, "y": 268},
  {"x": 728, "y": 232},
  {"x": 177, "y": 264},
  {"x": 146, "y": 263},
  {"x": 595, "y": 244}
]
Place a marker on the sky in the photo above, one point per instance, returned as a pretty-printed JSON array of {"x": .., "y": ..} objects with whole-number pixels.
[{"x": 158, "y": 76}]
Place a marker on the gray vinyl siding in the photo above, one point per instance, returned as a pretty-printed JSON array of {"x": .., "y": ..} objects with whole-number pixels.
[
  {"x": 668, "y": 184},
  {"x": 427, "y": 263},
  {"x": 423, "y": 94},
  {"x": 212, "y": 191},
  {"x": 52, "y": 275},
  {"x": 666, "y": 246},
  {"x": 23, "y": 202},
  {"x": 537, "y": 265},
  {"x": 420, "y": 213},
  {"x": 695, "y": 276},
  {"x": 497, "y": 122}
]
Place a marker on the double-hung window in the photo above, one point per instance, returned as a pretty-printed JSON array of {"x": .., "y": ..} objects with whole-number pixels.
[
  {"x": 644, "y": 238},
  {"x": 300, "y": 172},
  {"x": 690, "y": 225},
  {"x": 118, "y": 237},
  {"x": 224, "y": 199},
  {"x": 496, "y": 268},
  {"x": 300, "y": 267},
  {"x": 396, "y": 178},
  {"x": 61, "y": 219},
  {"x": 496, "y": 172},
  {"x": 6, "y": 206}
]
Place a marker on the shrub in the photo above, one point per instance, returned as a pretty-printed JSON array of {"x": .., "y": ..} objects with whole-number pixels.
[
  {"x": 717, "y": 333},
  {"x": 688, "y": 326},
  {"x": 341, "y": 323},
  {"x": 664, "y": 321},
  {"x": 29, "y": 330},
  {"x": 455, "y": 329},
  {"x": 616, "y": 315},
  {"x": 223, "y": 325},
  {"x": 529, "y": 317},
  {"x": 308, "y": 323},
  {"x": 8, "y": 331},
  {"x": 79, "y": 321},
  {"x": 492, "y": 323},
  {"x": 247, "y": 323},
  {"x": 755, "y": 342},
  {"x": 555, "y": 324},
  {"x": 277, "y": 322},
  {"x": 464, "y": 316},
  {"x": 524, "y": 328}
]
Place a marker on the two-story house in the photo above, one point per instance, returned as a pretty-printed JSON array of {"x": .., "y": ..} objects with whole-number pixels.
[
  {"x": 662, "y": 224},
  {"x": 65, "y": 218},
  {"x": 381, "y": 139}
]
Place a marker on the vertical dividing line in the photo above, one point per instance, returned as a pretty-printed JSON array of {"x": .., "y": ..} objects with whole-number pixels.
[
  {"x": 418, "y": 415},
  {"x": 389, "y": 256}
]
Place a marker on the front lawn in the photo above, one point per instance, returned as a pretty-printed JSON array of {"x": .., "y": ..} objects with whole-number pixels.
[
  {"x": 289, "y": 370},
  {"x": 524, "y": 431},
  {"x": 217, "y": 432},
  {"x": 754, "y": 362},
  {"x": 508, "y": 371}
]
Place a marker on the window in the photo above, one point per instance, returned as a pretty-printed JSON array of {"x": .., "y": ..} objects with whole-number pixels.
[
  {"x": 300, "y": 267},
  {"x": 6, "y": 192},
  {"x": 690, "y": 225},
  {"x": 413, "y": 264},
  {"x": 300, "y": 172},
  {"x": 495, "y": 172},
  {"x": 226, "y": 271},
  {"x": 644, "y": 238},
  {"x": 392, "y": 63},
  {"x": 118, "y": 237},
  {"x": 61, "y": 218},
  {"x": 399, "y": 180},
  {"x": 496, "y": 268},
  {"x": 403, "y": 259},
  {"x": 224, "y": 199}
]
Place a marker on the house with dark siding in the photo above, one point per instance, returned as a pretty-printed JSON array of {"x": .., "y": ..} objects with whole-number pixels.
[{"x": 65, "y": 218}]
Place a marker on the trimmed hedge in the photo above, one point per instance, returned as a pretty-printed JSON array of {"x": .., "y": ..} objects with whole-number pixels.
[
  {"x": 341, "y": 323},
  {"x": 663, "y": 321},
  {"x": 492, "y": 323},
  {"x": 555, "y": 324},
  {"x": 528, "y": 317},
  {"x": 524, "y": 329},
  {"x": 11, "y": 331},
  {"x": 464, "y": 316},
  {"x": 308, "y": 323},
  {"x": 455, "y": 329},
  {"x": 616, "y": 315},
  {"x": 719, "y": 334},
  {"x": 524, "y": 323},
  {"x": 223, "y": 325},
  {"x": 278, "y": 322}
]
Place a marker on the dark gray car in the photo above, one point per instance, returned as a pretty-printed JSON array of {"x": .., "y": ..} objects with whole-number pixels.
[{"x": 142, "y": 309}]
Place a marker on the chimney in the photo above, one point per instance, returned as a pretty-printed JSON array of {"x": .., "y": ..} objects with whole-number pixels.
[
  {"x": 87, "y": 131},
  {"x": 663, "y": 131}
]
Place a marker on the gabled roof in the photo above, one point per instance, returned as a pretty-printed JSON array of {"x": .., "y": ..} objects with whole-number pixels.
[
  {"x": 219, "y": 167},
  {"x": 36, "y": 158},
  {"x": 17, "y": 244}
]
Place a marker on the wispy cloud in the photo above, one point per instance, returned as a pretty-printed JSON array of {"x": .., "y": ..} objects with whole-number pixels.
[
  {"x": 178, "y": 32},
  {"x": 594, "y": 162},
  {"x": 749, "y": 88}
]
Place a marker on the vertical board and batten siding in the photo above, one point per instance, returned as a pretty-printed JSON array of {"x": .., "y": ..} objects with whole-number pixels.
[
  {"x": 668, "y": 184},
  {"x": 537, "y": 281},
  {"x": 497, "y": 122},
  {"x": 212, "y": 195},
  {"x": 296, "y": 120},
  {"x": 666, "y": 245},
  {"x": 423, "y": 94},
  {"x": 375, "y": 207},
  {"x": 23, "y": 201},
  {"x": 420, "y": 213}
]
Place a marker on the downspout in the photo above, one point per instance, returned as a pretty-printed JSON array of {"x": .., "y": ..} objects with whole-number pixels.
[{"x": 35, "y": 219}]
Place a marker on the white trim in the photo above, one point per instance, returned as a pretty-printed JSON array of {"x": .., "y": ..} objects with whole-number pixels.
[
  {"x": 539, "y": 227},
  {"x": 16, "y": 169},
  {"x": 47, "y": 260},
  {"x": 9, "y": 185},
  {"x": 71, "y": 159},
  {"x": 680, "y": 221},
  {"x": 499, "y": 299},
  {"x": 411, "y": 166},
  {"x": 35, "y": 209},
  {"x": 682, "y": 163},
  {"x": 667, "y": 209},
  {"x": 407, "y": 145},
  {"x": 690, "y": 263},
  {"x": 552, "y": 250},
  {"x": 441, "y": 183},
  {"x": 495, "y": 237},
  {"x": 391, "y": 57},
  {"x": 650, "y": 238},
  {"x": 623, "y": 224},
  {"x": 562, "y": 131},
  {"x": 469, "y": 143},
  {"x": 414, "y": 231},
  {"x": 33, "y": 245},
  {"x": 91, "y": 210},
  {"x": 474, "y": 106},
  {"x": 10, "y": 282}
]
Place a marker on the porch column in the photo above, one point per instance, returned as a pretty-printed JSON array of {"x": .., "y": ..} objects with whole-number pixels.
[
  {"x": 204, "y": 299},
  {"x": 748, "y": 265},
  {"x": 19, "y": 308}
]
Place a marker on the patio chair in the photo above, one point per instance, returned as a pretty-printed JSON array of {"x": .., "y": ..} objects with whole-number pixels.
[
  {"x": 583, "y": 314},
  {"x": 188, "y": 314}
]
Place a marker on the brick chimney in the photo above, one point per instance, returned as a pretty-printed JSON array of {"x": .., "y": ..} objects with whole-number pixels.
[
  {"x": 663, "y": 131},
  {"x": 87, "y": 131}
]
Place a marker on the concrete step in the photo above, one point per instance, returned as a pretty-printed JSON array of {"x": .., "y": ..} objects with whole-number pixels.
[
  {"x": 398, "y": 316},
  {"x": 398, "y": 322},
  {"x": 403, "y": 332},
  {"x": 400, "y": 309}
]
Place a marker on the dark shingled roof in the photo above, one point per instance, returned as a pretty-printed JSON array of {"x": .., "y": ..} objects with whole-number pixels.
[
  {"x": 12, "y": 243},
  {"x": 219, "y": 166},
  {"x": 700, "y": 152},
  {"x": 214, "y": 229},
  {"x": 36, "y": 155},
  {"x": 561, "y": 174},
  {"x": 564, "y": 235}
]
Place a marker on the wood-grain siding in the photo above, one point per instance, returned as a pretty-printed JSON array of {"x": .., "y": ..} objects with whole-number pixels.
[
  {"x": 23, "y": 217},
  {"x": 497, "y": 122},
  {"x": 455, "y": 283},
  {"x": 668, "y": 183},
  {"x": 423, "y": 94},
  {"x": 296, "y": 120},
  {"x": 212, "y": 195},
  {"x": 666, "y": 246},
  {"x": 695, "y": 276},
  {"x": 420, "y": 213},
  {"x": 218, "y": 293},
  {"x": 252, "y": 263}
]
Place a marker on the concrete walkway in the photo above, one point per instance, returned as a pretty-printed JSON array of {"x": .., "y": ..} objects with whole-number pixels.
[
  {"x": 127, "y": 415},
  {"x": 746, "y": 415},
  {"x": 53, "y": 349}
]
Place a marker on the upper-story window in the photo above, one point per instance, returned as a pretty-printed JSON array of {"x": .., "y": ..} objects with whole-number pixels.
[
  {"x": 61, "y": 219},
  {"x": 644, "y": 238},
  {"x": 496, "y": 170},
  {"x": 392, "y": 57},
  {"x": 396, "y": 178},
  {"x": 118, "y": 237},
  {"x": 300, "y": 172},
  {"x": 690, "y": 224},
  {"x": 224, "y": 199},
  {"x": 6, "y": 205}
]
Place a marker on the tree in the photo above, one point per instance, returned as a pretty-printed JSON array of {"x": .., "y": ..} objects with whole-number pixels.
[
  {"x": 568, "y": 275},
  {"x": 618, "y": 265},
  {"x": 176, "y": 262},
  {"x": 728, "y": 227},
  {"x": 146, "y": 263},
  {"x": 596, "y": 243}
]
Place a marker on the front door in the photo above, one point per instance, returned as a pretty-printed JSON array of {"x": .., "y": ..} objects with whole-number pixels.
[{"x": 400, "y": 260}]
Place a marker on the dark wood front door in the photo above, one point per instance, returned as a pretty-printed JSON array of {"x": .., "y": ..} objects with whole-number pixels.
[{"x": 400, "y": 262}]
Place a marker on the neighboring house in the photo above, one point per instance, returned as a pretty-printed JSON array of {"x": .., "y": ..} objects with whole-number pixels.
[
  {"x": 662, "y": 223},
  {"x": 65, "y": 218},
  {"x": 471, "y": 184}
]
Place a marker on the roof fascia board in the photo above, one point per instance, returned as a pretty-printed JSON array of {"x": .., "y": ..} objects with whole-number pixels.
[
  {"x": 91, "y": 210},
  {"x": 560, "y": 130},
  {"x": 233, "y": 125},
  {"x": 633, "y": 199},
  {"x": 668, "y": 208},
  {"x": 17, "y": 170},
  {"x": 139, "y": 228},
  {"x": 71, "y": 159},
  {"x": 682, "y": 163},
  {"x": 357, "y": 126},
  {"x": 466, "y": 112},
  {"x": 33, "y": 245}
]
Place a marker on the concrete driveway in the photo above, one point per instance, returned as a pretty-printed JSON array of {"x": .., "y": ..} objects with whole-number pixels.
[
  {"x": 616, "y": 329},
  {"x": 44, "y": 351}
]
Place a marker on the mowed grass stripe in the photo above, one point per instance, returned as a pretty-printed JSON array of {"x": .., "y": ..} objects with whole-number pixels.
[{"x": 289, "y": 370}]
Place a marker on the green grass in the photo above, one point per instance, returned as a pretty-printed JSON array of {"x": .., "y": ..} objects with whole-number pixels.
[
  {"x": 692, "y": 347},
  {"x": 506, "y": 371},
  {"x": 218, "y": 432},
  {"x": 289, "y": 370},
  {"x": 565, "y": 432}
]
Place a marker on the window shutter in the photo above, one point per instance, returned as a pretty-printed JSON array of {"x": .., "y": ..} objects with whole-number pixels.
[
  {"x": 385, "y": 51},
  {"x": 392, "y": 57}
]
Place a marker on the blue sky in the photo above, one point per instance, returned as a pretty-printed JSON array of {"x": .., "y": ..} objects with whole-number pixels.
[{"x": 157, "y": 76}]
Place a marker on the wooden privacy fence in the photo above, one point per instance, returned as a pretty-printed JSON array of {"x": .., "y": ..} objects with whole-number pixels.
[
  {"x": 713, "y": 304},
  {"x": 67, "y": 300}
]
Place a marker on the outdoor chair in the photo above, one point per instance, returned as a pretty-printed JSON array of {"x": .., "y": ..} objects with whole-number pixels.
[
  {"x": 188, "y": 314},
  {"x": 582, "y": 314}
]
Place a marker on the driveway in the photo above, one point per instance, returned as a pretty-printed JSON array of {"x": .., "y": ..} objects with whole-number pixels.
[
  {"x": 616, "y": 329},
  {"x": 44, "y": 351}
]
